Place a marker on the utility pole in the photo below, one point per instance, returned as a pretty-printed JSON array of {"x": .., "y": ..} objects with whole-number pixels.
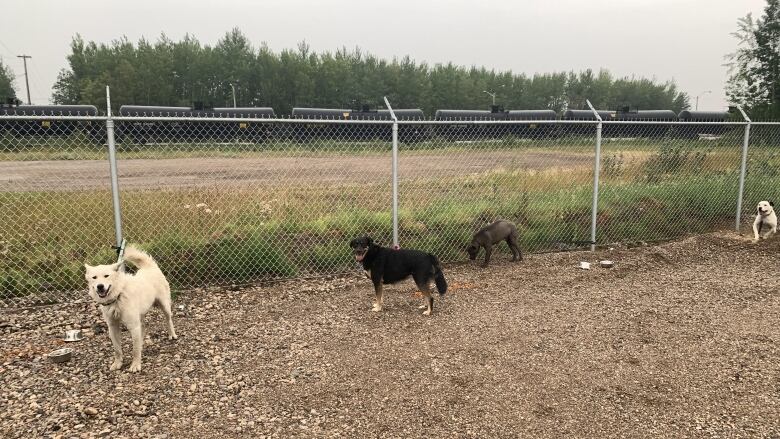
[
  {"x": 492, "y": 95},
  {"x": 232, "y": 87},
  {"x": 26, "y": 79},
  {"x": 700, "y": 95}
]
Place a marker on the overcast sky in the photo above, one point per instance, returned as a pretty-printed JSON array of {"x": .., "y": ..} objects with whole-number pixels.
[{"x": 680, "y": 40}]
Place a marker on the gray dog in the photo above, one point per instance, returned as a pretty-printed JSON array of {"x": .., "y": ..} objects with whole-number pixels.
[{"x": 493, "y": 234}]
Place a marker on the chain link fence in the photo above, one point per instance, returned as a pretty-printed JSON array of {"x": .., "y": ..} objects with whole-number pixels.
[
  {"x": 762, "y": 179},
  {"x": 664, "y": 180},
  {"x": 226, "y": 200},
  {"x": 55, "y": 205},
  {"x": 468, "y": 174},
  {"x": 237, "y": 201}
]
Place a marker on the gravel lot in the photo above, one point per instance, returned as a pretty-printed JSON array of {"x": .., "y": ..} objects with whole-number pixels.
[
  {"x": 62, "y": 175},
  {"x": 678, "y": 340}
]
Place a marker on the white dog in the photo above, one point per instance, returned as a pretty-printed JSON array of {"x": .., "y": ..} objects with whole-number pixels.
[
  {"x": 765, "y": 216},
  {"x": 126, "y": 298}
]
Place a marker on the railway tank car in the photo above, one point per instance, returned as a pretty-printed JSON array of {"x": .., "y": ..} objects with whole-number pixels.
[
  {"x": 454, "y": 131},
  {"x": 645, "y": 130},
  {"x": 51, "y": 127},
  {"x": 632, "y": 130},
  {"x": 694, "y": 128},
  {"x": 154, "y": 131},
  {"x": 466, "y": 131},
  {"x": 533, "y": 130},
  {"x": 303, "y": 132}
]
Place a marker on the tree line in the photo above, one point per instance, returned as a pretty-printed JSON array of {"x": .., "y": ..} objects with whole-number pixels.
[
  {"x": 179, "y": 73},
  {"x": 754, "y": 80}
]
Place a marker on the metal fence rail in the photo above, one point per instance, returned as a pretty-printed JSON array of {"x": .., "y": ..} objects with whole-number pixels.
[{"x": 234, "y": 200}]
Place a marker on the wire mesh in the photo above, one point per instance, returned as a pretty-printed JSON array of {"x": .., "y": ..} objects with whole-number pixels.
[
  {"x": 468, "y": 174},
  {"x": 55, "y": 206},
  {"x": 762, "y": 179},
  {"x": 223, "y": 202},
  {"x": 662, "y": 181}
]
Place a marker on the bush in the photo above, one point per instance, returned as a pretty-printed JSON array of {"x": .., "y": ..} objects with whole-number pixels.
[{"x": 674, "y": 157}]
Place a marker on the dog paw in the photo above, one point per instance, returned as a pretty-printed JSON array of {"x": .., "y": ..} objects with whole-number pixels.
[
  {"x": 427, "y": 312},
  {"x": 376, "y": 308},
  {"x": 422, "y": 307},
  {"x": 116, "y": 365},
  {"x": 135, "y": 367},
  {"x": 173, "y": 337}
]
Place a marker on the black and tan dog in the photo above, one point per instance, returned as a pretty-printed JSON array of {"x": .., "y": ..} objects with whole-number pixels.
[
  {"x": 493, "y": 234},
  {"x": 387, "y": 266}
]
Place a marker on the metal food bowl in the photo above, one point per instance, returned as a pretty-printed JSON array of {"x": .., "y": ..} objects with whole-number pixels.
[
  {"x": 606, "y": 264},
  {"x": 73, "y": 335},
  {"x": 61, "y": 355}
]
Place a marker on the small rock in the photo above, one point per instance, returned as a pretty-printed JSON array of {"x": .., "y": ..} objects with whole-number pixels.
[{"x": 91, "y": 411}]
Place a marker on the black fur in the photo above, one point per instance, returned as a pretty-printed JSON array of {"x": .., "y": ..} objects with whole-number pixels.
[{"x": 387, "y": 266}]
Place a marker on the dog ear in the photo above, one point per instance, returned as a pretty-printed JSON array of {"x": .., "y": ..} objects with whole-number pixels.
[
  {"x": 116, "y": 266},
  {"x": 87, "y": 267},
  {"x": 369, "y": 241},
  {"x": 772, "y": 204}
]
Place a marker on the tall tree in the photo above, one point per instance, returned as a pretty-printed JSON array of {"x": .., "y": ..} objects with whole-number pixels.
[
  {"x": 166, "y": 72},
  {"x": 6, "y": 83},
  {"x": 754, "y": 67}
]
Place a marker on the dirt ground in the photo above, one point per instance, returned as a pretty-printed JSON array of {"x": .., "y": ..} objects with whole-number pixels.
[
  {"x": 196, "y": 172},
  {"x": 678, "y": 340}
]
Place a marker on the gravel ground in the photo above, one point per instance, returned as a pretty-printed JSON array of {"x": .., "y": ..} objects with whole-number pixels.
[
  {"x": 63, "y": 175},
  {"x": 678, "y": 340}
]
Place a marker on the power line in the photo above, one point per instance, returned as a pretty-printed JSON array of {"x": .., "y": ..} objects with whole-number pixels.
[
  {"x": 10, "y": 52},
  {"x": 37, "y": 82}
]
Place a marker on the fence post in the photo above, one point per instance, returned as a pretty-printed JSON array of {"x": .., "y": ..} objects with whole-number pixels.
[
  {"x": 596, "y": 172},
  {"x": 394, "y": 172},
  {"x": 743, "y": 167},
  {"x": 112, "y": 165}
]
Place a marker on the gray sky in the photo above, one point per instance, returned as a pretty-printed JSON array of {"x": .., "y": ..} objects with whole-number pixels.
[{"x": 681, "y": 40}]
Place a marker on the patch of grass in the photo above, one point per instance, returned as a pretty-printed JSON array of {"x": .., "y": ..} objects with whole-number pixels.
[{"x": 242, "y": 234}]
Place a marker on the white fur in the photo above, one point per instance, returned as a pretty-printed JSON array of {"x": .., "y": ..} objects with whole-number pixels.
[
  {"x": 765, "y": 216},
  {"x": 127, "y": 298}
]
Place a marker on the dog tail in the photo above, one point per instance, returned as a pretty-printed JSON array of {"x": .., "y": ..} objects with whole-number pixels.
[
  {"x": 438, "y": 275},
  {"x": 139, "y": 258}
]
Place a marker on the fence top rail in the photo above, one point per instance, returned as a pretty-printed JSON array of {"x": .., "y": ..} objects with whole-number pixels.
[
  {"x": 765, "y": 122},
  {"x": 195, "y": 119},
  {"x": 671, "y": 122},
  {"x": 252, "y": 119},
  {"x": 365, "y": 121},
  {"x": 564, "y": 122},
  {"x": 5, "y": 117}
]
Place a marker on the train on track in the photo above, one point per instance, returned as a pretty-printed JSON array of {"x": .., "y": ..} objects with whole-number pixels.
[{"x": 155, "y": 124}]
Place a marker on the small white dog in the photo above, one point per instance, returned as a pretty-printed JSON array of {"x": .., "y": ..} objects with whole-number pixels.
[
  {"x": 126, "y": 298},
  {"x": 765, "y": 217}
]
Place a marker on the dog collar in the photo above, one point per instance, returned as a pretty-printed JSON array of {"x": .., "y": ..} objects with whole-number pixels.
[{"x": 111, "y": 302}]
